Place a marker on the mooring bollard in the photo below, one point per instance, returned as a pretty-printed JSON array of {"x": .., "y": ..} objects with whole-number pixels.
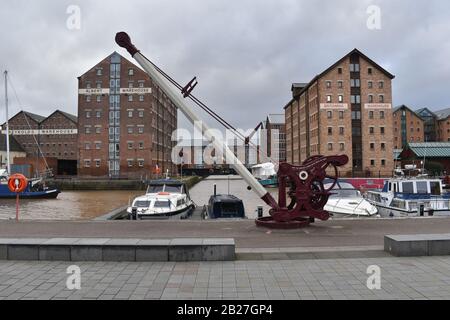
[{"x": 260, "y": 212}]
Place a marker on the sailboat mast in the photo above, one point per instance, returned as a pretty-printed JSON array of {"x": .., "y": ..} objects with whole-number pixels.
[{"x": 8, "y": 162}]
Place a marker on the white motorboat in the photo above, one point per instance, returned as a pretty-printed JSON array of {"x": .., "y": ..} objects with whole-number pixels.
[
  {"x": 164, "y": 199},
  {"x": 347, "y": 201},
  {"x": 411, "y": 197}
]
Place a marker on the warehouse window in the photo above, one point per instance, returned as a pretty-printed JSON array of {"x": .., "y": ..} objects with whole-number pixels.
[{"x": 87, "y": 163}]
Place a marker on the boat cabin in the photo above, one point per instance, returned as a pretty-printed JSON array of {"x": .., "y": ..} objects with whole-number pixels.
[
  {"x": 167, "y": 187},
  {"x": 426, "y": 186},
  {"x": 225, "y": 207}
]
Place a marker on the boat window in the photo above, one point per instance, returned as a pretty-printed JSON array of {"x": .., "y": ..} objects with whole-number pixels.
[
  {"x": 408, "y": 187},
  {"x": 422, "y": 187},
  {"x": 344, "y": 194},
  {"x": 162, "y": 204},
  {"x": 398, "y": 204},
  {"x": 155, "y": 189},
  {"x": 142, "y": 204},
  {"x": 180, "y": 202},
  {"x": 228, "y": 209},
  {"x": 172, "y": 189},
  {"x": 374, "y": 197},
  {"x": 435, "y": 187},
  {"x": 412, "y": 205}
]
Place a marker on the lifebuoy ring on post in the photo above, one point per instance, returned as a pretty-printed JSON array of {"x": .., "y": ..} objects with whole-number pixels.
[{"x": 17, "y": 183}]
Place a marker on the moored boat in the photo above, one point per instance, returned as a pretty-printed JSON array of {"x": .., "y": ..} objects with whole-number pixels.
[
  {"x": 36, "y": 189},
  {"x": 164, "y": 199},
  {"x": 347, "y": 201},
  {"x": 411, "y": 197}
]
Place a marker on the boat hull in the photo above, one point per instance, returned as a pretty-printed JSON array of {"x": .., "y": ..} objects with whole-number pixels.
[
  {"x": 180, "y": 214},
  {"x": 387, "y": 212},
  {"x": 49, "y": 194},
  {"x": 269, "y": 183}
]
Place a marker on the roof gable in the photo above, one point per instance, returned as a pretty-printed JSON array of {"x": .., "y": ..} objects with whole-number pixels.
[
  {"x": 376, "y": 65},
  {"x": 69, "y": 116}
]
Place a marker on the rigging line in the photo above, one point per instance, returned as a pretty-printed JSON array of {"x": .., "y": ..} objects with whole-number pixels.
[
  {"x": 208, "y": 110},
  {"x": 28, "y": 123},
  {"x": 193, "y": 98},
  {"x": 205, "y": 107}
]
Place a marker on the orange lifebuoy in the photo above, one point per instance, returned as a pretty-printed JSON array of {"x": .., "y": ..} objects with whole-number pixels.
[{"x": 17, "y": 183}]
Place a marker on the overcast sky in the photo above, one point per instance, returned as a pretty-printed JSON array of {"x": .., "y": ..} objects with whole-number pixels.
[{"x": 246, "y": 54}]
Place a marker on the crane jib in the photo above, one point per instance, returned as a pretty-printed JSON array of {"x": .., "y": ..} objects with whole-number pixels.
[{"x": 303, "y": 184}]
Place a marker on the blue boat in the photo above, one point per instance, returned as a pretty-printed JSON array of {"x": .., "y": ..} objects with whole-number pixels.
[
  {"x": 36, "y": 189},
  {"x": 271, "y": 182}
]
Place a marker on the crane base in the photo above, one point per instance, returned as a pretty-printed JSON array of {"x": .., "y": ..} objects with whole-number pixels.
[{"x": 271, "y": 223}]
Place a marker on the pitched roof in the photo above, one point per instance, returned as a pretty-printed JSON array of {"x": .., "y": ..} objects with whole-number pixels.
[
  {"x": 14, "y": 146},
  {"x": 276, "y": 118},
  {"x": 71, "y": 117},
  {"x": 424, "y": 112},
  {"x": 442, "y": 114},
  {"x": 409, "y": 109},
  {"x": 390, "y": 75},
  {"x": 430, "y": 149},
  {"x": 34, "y": 116}
]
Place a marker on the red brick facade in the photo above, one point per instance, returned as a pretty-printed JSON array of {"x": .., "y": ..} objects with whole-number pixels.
[
  {"x": 347, "y": 109},
  {"x": 125, "y": 122}
]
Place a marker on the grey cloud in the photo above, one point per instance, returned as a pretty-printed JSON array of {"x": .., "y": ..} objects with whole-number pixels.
[{"x": 246, "y": 54}]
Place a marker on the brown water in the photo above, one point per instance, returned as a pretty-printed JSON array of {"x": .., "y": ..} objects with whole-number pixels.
[
  {"x": 85, "y": 205},
  {"x": 76, "y": 205}
]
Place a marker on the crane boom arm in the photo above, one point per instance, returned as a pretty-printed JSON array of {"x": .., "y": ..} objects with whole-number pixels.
[{"x": 124, "y": 41}]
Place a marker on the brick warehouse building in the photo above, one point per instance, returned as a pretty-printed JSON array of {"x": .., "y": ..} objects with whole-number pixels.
[
  {"x": 48, "y": 141},
  {"x": 347, "y": 109},
  {"x": 125, "y": 122},
  {"x": 276, "y": 137},
  {"x": 408, "y": 127}
]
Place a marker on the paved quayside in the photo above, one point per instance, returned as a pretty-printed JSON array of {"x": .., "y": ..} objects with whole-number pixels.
[
  {"x": 335, "y": 233},
  {"x": 401, "y": 278}
]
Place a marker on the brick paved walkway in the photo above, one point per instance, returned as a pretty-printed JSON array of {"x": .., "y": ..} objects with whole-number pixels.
[{"x": 402, "y": 278}]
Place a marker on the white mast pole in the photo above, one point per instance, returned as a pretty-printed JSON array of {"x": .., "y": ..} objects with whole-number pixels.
[{"x": 8, "y": 162}]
